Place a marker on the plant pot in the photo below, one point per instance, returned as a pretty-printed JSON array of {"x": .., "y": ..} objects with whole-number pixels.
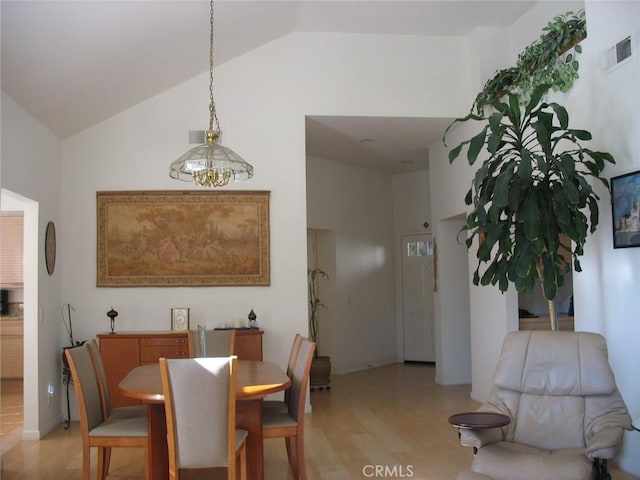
[{"x": 320, "y": 376}]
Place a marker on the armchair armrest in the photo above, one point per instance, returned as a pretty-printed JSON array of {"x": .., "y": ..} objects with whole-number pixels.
[
  {"x": 479, "y": 437},
  {"x": 605, "y": 443}
]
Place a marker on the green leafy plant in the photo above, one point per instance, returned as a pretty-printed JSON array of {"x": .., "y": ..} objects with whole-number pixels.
[
  {"x": 531, "y": 190},
  {"x": 551, "y": 60},
  {"x": 313, "y": 274}
]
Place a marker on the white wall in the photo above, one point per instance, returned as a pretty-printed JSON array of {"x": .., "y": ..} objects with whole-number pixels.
[
  {"x": 607, "y": 289},
  {"x": 356, "y": 205},
  {"x": 262, "y": 100},
  {"x": 31, "y": 174},
  {"x": 411, "y": 202}
]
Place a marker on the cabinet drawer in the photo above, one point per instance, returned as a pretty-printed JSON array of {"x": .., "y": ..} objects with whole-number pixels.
[
  {"x": 168, "y": 340},
  {"x": 151, "y": 353}
]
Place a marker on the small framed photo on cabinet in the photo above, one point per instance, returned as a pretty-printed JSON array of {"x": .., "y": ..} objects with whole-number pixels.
[{"x": 179, "y": 319}]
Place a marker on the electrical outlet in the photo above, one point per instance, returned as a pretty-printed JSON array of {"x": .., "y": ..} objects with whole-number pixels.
[{"x": 50, "y": 391}]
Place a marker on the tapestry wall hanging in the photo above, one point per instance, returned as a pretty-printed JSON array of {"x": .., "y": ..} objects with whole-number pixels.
[{"x": 182, "y": 238}]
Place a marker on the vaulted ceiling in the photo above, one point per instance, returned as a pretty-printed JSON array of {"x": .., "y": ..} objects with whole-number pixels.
[{"x": 72, "y": 64}]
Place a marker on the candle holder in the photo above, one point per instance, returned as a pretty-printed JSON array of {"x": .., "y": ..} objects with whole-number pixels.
[
  {"x": 112, "y": 314},
  {"x": 253, "y": 323}
]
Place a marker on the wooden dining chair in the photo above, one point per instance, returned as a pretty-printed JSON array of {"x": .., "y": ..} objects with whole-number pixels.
[
  {"x": 211, "y": 343},
  {"x": 290, "y": 424},
  {"x": 283, "y": 405},
  {"x": 200, "y": 407},
  {"x": 103, "y": 386},
  {"x": 96, "y": 429}
]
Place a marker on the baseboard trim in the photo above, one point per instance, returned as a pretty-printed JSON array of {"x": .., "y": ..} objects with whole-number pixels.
[{"x": 360, "y": 367}]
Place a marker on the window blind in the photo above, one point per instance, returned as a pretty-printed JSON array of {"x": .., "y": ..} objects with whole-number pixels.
[{"x": 11, "y": 238}]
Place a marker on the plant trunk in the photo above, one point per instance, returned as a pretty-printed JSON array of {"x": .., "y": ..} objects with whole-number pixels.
[
  {"x": 551, "y": 305},
  {"x": 552, "y": 315}
]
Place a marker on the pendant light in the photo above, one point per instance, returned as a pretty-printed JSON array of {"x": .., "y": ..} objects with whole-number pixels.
[{"x": 211, "y": 164}]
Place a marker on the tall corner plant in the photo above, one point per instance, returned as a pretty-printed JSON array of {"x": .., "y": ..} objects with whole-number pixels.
[
  {"x": 530, "y": 191},
  {"x": 313, "y": 274}
]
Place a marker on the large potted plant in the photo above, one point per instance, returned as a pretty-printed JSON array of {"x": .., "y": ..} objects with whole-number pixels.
[
  {"x": 531, "y": 190},
  {"x": 320, "y": 376}
]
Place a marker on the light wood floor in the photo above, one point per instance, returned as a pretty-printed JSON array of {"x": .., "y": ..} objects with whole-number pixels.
[{"x": 394, "y": 417}]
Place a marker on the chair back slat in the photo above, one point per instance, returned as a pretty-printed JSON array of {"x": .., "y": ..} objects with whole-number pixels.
[
  {"x": 103, "y": 386},
  {"x": 300, "y": 380},
  {"x": 211, "y": 343},
  {"x": 200, "y": 407},
  {"x": 291, "y": 364},
  {"x": 85, "y": 382}
]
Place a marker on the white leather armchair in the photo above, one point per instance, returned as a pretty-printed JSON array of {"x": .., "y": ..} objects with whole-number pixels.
[{"x": 567, "y": 416}]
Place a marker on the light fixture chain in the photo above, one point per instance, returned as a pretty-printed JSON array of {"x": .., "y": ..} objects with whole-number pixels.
[
  {"x": 211, "y": 164},
  {"x": 212, "y": 106}
]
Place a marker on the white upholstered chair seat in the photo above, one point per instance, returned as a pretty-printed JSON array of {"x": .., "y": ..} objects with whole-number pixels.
[
  {"x": 516, "y": 462},
  {"x": 119, "y": 427},
  {"x": 129, "y": 412},
  {"x": 277, "y": 419}
]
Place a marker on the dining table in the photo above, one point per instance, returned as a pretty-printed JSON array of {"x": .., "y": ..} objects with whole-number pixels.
[{"x": 255, "y": 380}]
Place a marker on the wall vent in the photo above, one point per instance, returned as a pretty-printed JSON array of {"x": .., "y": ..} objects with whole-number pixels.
[{"x": 618, "y": 54}]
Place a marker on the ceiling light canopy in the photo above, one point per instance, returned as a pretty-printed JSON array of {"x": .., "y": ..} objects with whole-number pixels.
[{"x": 211, "y": 164}]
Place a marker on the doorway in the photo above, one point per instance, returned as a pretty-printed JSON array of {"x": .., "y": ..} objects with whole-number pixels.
[
  {"x": 417, "y": 298},
  {"x": 28, "y": 398}
]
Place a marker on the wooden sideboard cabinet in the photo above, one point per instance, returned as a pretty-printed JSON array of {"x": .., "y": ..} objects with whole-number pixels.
[{"x": 121, "y": 352}]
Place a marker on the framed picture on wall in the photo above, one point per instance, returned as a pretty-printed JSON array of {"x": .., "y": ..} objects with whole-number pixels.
[
  {"x": 183, "y": 238},
  {"x": 625, "y": 205}
]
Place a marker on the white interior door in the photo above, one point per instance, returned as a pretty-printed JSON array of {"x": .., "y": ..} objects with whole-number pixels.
[{"x": 417, "y": 298}]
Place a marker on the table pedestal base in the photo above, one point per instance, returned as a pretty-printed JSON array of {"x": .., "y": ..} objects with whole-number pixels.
[{"x": 248, "y": 417}]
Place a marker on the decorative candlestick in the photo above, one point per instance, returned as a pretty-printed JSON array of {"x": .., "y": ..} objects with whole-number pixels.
[
  {"x": 112, "y": 314},
  {"x": 253, "y": 323}
]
